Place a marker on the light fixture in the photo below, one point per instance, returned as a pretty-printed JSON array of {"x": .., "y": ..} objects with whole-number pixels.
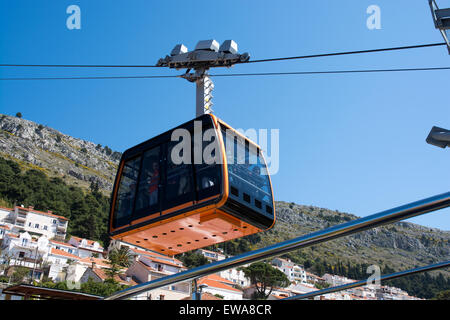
[{"x": 439, "y": 137}]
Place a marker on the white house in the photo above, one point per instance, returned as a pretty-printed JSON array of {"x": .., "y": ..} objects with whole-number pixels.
[
  {"x": 217, "y": 285},
  {"x": 294, "y": 272},
  {"x": 151, "y": 266},
  {"x": 59, "y": 261},
  {"x": 236, "y": 276},
  {"x": 35, "y": 222},
  {"x": 86, "y": 248},
  {"x": 24, "y": 250},
  {"x": 212, "y": 255},
  {"x": 335, "y": 280}
]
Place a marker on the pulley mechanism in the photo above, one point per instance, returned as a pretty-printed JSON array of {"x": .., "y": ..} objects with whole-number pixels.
[{"x": 207, "y": 54}]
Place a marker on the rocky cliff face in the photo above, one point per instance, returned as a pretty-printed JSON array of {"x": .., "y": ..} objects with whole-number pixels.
[
  {"x": 401, "y": 245},
  {"x": 39, "y": 147}
]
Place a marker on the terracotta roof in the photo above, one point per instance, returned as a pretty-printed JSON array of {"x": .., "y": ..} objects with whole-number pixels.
[
  {"x": 89, "y": 242},
  {"x": 155, "y": 254},
  {"x": 44, "y": 213},
  {"x": 99, "y": 262},
  {"x": 164, "y": 262},
  {"x": 216, "y": 277},
  {"x": 217, "y": 284},
  {"x": 12, "y": 235},
  {"x": 205, "y": 296},
  {"x": 119, "y": 278},
  {"x": 64, "y": 254},
  {"x": 63, "y": 243},
  {"x": 4, "y": 227}
]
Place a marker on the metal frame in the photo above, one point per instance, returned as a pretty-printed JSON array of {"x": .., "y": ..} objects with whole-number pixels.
[
  {"x": 378, "y": 219},
  {"x": 207, "y": 54},
  {"x": 441, "y": 19},
  {"x": 361, "y": 283}
]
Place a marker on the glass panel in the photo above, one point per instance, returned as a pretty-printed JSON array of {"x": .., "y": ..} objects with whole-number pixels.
[
  {"x": 179, "y": 182},
  {"x": 208, "y": 172},
  {"x": 149, "y": 181},
  {"x": 246, "y": 170},
  {"x": 126, "y": 193}
]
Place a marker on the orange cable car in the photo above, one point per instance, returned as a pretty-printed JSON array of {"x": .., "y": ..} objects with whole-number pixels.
[{"x": 196, "y": 185}]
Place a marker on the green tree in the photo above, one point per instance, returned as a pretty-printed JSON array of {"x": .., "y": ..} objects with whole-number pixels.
[
  {"x": 19, "y": 274},
  {"x": 19, "y": 114},
  {"x": 443, "y": 295},
  {"x": 193, "y": 259},
  {"x": 121, "y": 257},
  {"x": 265, "y": 277}
]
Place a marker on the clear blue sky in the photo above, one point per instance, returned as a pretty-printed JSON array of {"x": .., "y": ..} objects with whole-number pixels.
[{"x": 355, "y": 142}]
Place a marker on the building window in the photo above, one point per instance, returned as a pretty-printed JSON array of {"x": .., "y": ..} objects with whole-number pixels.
[
  {"x": 21, "y": 254},
  {"x": 54, "y": 221},
  {"x": 70, "y": 250},
  {"x": 36, "y": 225},
  {"x": 45, "y": 227}
]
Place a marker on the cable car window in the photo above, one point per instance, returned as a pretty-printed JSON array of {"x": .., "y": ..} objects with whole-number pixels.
[
  {"x": 179, "y": 180},
  {"x": 149, "y": 180},
  {"x": 208, "y": 172},
  {"x": 247, "y": 172},
  {"x": 126, "y": 193}
]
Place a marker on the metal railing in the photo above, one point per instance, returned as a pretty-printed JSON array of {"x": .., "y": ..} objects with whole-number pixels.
[
  {"x": 361, "y": 283},
  {"x": 379, "y": 219}
]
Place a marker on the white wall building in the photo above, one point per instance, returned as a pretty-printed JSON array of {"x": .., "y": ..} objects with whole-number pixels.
[
  {"x": 86, "y": 248},
  {"x": 294, "y": 272},
  {"x": 212, "y": 255},
  {"x": 20, "y": 219},
  {"x": 235, "y": 276},
  {"x": 217, "y": 285}
]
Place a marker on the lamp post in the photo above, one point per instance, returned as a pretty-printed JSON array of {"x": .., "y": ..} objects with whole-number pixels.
[
  {"x": 207, "y": 54},
  {"x": 439, "y": 137}
]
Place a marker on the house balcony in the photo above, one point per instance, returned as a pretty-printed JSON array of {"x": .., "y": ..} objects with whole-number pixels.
[
  {"x": 21, "y": 217},
  {"x": 25, "y": 246},
  {"x": 61, "y": 227},
  {"x": 19, "y": 225}
]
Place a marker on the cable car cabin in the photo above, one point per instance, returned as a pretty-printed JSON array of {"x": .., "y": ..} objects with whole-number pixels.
[{"x": 199, "y": 184}]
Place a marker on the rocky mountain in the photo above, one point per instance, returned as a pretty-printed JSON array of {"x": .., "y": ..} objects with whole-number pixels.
[
  {"x": 39, "y": 147},
  {"x": 401, "y": 245}
]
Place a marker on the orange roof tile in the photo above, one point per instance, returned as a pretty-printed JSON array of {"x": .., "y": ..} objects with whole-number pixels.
[
  {"x": 155, "y": 254},
  {"x": 90, "y": 242},
  {"x": 63, "y": 243},
  {"x": 217, "y": 284},
  {"x": 4, "y": 227},
  {"x": 99, "y": 262},
  {"x": 64, "y": 254},
  {"x": 216, "y": 277},
  {"x": 102, "y": 275},
  {"x": 42, "y": 212},
  {"x": 205, "y": 296}
]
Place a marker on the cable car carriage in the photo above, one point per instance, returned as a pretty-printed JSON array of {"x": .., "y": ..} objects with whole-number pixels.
[{"x": 196, "y": 185}]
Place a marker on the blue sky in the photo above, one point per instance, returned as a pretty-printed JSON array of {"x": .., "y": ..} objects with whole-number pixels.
[{"x": 355, "y": 142}]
